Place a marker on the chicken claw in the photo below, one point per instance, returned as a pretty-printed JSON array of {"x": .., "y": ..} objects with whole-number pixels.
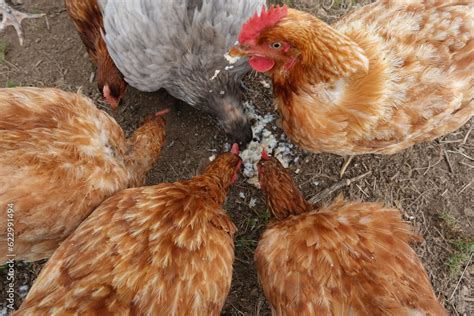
[{"x": 14, "y": 18}]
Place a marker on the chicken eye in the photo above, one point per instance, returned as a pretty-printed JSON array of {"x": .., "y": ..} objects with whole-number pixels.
[{"x": 276, "y": 45}]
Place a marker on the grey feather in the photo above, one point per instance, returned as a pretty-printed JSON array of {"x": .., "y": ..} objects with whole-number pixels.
[{"x": 178, "y": 45}]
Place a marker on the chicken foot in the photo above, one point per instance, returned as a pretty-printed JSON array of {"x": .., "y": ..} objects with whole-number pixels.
[{"x": 14, "y": 18}]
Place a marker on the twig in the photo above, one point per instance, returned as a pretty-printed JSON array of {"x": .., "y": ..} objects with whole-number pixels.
[
  {"x": 347, "y": 162},
  {"x": 450, "y": 166},
  {"x": 10, "y": 64},
  {"x": 171, "y": 144},
  {"x": 461, "y": 153},
  {"x": 453, "y": 141},
  {"x": 466, "y": 164},
  {"x": 337, "y": 186},
  {"x": 465, "y": 187},
  {"x": 363, "y": 192},
  {"x": 394, "y": 176},
  {"x": 238, "y": 310},
  {"x": 454, "y": 307},
  {"x": 466, "y": 136},
  {"x": 172, "y": 169},
  {"x": 242, "y": 261},
  {"x": 421, "y": 195},
  {"x": 460, "y": 279},
  {"x": 429, "y": 164},
  {"x": 47, "y": 22},
  {"x": 258, "y": 307},
  {"x": 257, "y": 213},
  {"x": 319, "y": 175}
]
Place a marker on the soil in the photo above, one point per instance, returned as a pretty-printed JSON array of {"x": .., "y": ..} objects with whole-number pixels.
[{"x": 431, "y": 182}]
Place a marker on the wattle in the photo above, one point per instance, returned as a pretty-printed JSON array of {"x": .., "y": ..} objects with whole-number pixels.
[{"x": 261, "y": 64}]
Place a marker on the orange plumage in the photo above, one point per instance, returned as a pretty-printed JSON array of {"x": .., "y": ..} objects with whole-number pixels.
[
  {"x": 87, "y": 18},
  {"x": 60, "y": 157},
  {"x": 387, "y": 76},
  {"x": 165, "y": 249},
  {"x": 348, "y": 258}
]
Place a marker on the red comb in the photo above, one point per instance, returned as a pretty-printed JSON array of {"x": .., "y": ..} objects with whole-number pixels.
[
  {"x": 256, "y": 24},
  {"x": 235, "y": 149},
  {"x": 265, "y": 155}
]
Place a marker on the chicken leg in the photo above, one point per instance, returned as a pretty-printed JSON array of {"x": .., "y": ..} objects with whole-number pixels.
[{"x": 14, "y": 18}]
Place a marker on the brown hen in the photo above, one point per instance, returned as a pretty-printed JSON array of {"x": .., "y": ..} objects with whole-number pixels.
[
  {"x": 60, "y": 157},
  {"x": 87, "y": 18},
  {"x": 165, "y": 249},
  {"x": 387, "y": 76},
  {"x": 348, "y": 258}
]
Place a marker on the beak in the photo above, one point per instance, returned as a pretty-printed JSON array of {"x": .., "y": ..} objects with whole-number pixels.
[
  {"x": 235, "y": 149},
  {"x": 109, "y": 99},
  {"x": 238, "y": 51}
]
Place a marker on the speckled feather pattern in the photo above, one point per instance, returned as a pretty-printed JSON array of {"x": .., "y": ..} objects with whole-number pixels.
[
  {"x": 159, "y": 250},
  {"x": 385, "y": 77},
  {"x": 347, "y": 258},
  {"x": 60, "y": 157},
  {"x": 177, "y": 45},
  {"x": 180, "y": 46}
]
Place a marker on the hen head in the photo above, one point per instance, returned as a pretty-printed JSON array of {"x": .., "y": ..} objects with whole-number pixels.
[
  {"x": 216, "y": 93},
  {"x": 232, "y": 118},
  {"x": 284, "y": 41},
  {"x": 226, "y": 167},
  {"x": 149, "y": 138},
  {"x": 110, "y": 80},
  {"x": 282, "y": 195},
  {"x": 267, "y": 45}
]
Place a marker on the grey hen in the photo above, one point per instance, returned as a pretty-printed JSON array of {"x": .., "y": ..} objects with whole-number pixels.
[{"x": 179, "y": 45}]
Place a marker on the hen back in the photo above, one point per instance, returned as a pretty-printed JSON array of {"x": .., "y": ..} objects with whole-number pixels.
[
  {"x": 159, "y": 250},
  {"x": 348, "y": 258},
  {"x": 60, "y": 157},
  {"x": 180, "y": 46}
]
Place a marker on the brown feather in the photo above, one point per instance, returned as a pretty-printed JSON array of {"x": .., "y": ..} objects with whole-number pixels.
[
  {"x": 283, "y": 200},
  {"x": 385, "y": 77},
  {"x": 60, "y": 157},
  {"x": 87, "y": 17},
  {"x": 347, "y": 258},
  {"x": 159, "y": 250}
]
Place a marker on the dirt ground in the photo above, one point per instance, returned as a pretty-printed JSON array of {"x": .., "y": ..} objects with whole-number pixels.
[{"x": 432, "y": 182}]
